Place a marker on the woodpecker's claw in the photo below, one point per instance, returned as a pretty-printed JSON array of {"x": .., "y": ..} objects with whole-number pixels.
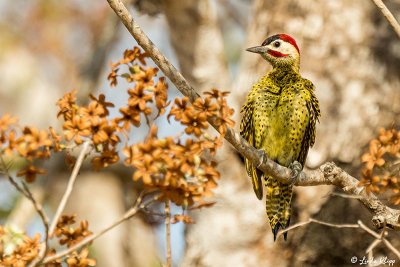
[
  {"x": 296, "y": 168},
  {"x": 263, "y": 156}
]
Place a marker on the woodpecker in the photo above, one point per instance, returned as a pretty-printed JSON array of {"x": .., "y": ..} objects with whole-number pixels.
[{"x": 279, "y": 119}]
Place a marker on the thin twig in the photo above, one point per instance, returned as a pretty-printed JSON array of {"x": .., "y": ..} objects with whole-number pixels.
[
  {"x": 131, "y": 212},
  {"x": 366, "y": 228},
  {"x": 389, "y": 16},
  {"x": 379, "y": 237},
  {"x": 348, "y": 196},
  {"x": 70, "y": 186},
  {"x": 168, "y": 231},
  {"x": 311, "y": 220},
  {"x": 45, "y": 221},
  {"x": 327, "y": 174},
  {"x": 370, "y": 258},
  {"x": 24, "y": 190},
  {"x": 373, "y": 245},
  {"x": 127, "y": 215},
  {"x": 391, "y": 247}
]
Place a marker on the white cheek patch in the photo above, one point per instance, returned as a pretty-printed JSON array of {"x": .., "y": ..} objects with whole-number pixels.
[{"x": 287, "y": 48}]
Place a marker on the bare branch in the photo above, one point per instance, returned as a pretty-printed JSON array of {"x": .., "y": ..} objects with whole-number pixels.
[
  {"x": 378, "y": 237},
  {"x": 391, "y": 247},
  {"x": 327, "y": 174},
  {"x": 63, "y": 202},
  {"x": 168, "y": 231},
  {"x": 373, "y": 245},
  {"x": 311, "y": 220},
  {"x": 127, "y": 215},
  {"x": 70, "y": 186},
  {"x": 389, "y": 16},
  {"x": 365, "y": 228}
]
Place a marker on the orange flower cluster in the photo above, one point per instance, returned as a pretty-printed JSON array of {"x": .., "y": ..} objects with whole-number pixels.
[
  {"x": 81, "y": 259},
  {"x": 90, "y": 122},
  {"x": 69, "y": 235},
  {"x": 174, "y": 167},
  {"x": 26, "y": 249},
  {"x": 130, "y": 57},
  {"x": 195, "y": 117},
  {"x": 146, "y": 89},
  {"x": 382, "y": 170},
  {"x": 31, "y": 143}
]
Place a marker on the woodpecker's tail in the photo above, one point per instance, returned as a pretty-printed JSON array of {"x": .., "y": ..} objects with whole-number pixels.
[{"x": 278, "y": 205}]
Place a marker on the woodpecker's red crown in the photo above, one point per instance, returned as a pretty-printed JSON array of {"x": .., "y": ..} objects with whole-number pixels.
[
  {"x": 279, "y": 50},
  {"x": 283, "y": 37}
]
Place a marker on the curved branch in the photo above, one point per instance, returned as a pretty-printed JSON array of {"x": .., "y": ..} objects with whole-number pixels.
[
  {"x": 327, "y": 174},
  {"x": 389, "y": 16}
]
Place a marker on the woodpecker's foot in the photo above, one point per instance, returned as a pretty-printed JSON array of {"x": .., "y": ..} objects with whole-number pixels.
[
  {"x": 263, "y": 156},
  {"x": 296, "y": 168}
]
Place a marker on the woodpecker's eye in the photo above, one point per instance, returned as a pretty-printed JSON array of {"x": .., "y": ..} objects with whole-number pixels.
[{"x": 277, "y": 44}]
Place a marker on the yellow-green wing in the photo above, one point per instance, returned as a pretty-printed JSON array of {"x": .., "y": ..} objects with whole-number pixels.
[
  {"x": 314, "y": 114},
  {"x": 247, "y": 132}
]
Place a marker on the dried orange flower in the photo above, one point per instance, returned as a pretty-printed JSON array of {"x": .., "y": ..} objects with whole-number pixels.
[
  {"x": 6, "y": 121},
  {"x": 66, "y": 104},
  {"x": 374, "y": 157},
  {"x": 70, "y": 161},
  {"x": 186, "y": 219},
  {"x": 112, "y": 77},
  {"x": 384, "y": 154},
  {"x": 195, "y": 122},
  {"x": 56, "y": 140},
  {"x": 37, "y": 143},
  {"x": 179, "y": 107},
  {"x": 30, "y": 173},
  {"x": 69, "y": 235},
  {"x": 80, "y": 260},
  {"x": 106, "y": 158},
  {"x": 129, "y": 116},
  {"x": 13, "y": 143},
  {"x": 54, "y": 263},
  {"x": 102, "y": 104},
  {"x": 76, "y": 128},
  {"x": 26, "y": 251}
]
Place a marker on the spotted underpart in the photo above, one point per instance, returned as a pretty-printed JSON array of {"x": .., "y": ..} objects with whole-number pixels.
[{"x": 279, "y": 117}]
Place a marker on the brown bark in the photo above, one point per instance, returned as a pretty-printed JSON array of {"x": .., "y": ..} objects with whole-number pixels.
[{"x": 197, "y": 39}]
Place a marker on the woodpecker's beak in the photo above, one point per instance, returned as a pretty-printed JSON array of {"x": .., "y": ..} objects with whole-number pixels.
[{"x": 257, "y": 49}]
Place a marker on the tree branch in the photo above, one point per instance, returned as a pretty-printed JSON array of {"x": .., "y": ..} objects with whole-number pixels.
[
  {"x": 389, "y": 16},
  {"x": 327, "y": 174},
  {"x": 139, "y": 205},
  {"x": 70, "y": 186},
  {"x": 168, "y": 231},
  {"x": 378, "y": 237}
]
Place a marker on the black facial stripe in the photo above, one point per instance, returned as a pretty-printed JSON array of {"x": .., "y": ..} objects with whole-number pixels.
[{"x": 270, "y": 39}]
